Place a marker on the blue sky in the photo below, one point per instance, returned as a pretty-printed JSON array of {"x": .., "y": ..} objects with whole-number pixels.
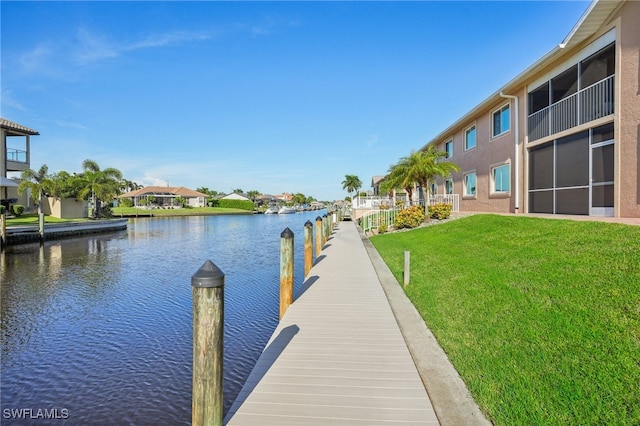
[{"x": 267, "y": 96}]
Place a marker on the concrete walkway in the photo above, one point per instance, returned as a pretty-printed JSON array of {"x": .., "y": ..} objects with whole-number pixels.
[{"x": 339, "y": 356}]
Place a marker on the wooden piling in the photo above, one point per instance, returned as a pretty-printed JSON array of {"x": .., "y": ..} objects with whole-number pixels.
[
  {"x": 318, "y": 236},
  {"x": 208, "y": 345},
  {"x": 41, "y": 226},
  {"x": 3, "y": 229},
  {"x": 308, "y": 247},
  {"x": 286, "y": 270}
]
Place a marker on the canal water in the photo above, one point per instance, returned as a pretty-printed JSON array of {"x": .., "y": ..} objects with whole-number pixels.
[{"x": 98, "y": 329}]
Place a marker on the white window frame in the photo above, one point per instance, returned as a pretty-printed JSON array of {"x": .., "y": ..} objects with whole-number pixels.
[
  {"x": 475, "y": 137},
  {"x": 464, "y": 185},
  {"x": 449, "y": 142},
  {"x": 494, "y": 167},
  {"x": 499, "y": 111}
]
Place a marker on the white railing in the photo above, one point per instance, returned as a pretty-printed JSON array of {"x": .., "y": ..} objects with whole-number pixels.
[
  {"x": 376, "y": 203},
  {"x": 586, "y": 105},
  {"x": 371, "y": 202},
  {"x": 376, "y": 218},
  {"x": 453, "y": 199}
]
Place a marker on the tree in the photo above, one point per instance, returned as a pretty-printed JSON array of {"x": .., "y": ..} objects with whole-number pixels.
[
  {"x": 37, "y": 182},
  {"x": 425, "y": 166},
  {"x": 65, "y": 185},
  {"x": 253, "y": 194},
  {"x": 351, "y": 183},
  {"x": 299, "y": 198},
  {"x": 398, "y": 177},
  {"x": 103, "y": 185}
]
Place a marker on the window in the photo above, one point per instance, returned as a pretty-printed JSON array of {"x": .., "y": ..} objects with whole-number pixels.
[
  {"x": 448, "y": 186},
  {"x": 448, "y": 147},
  {"x": 501, "y": 120},
  {"x": 470, "y": 138},
  {"x": 500, "y": 179},
  {"x": 434, "y": 188},
  {"x": 470, "y": 184}
]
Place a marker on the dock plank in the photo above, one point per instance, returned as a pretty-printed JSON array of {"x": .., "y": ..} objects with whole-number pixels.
[{"x": 337, "y": 356}]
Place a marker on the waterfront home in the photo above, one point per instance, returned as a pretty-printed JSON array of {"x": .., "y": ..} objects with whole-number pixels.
[
  {"x": 165, "y": 197},
  {"x": 562, "y": 136},
  {"x": 15, "y": 156}
]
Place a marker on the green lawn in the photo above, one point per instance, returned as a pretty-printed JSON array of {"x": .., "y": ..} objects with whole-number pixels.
[
  {"x": 540, "y": 317},
  {"x": 195, "y": 211},
  {"x": 32, "y": 219}
]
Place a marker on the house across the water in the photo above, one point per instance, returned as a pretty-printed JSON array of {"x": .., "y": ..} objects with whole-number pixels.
[{"x": 165, "y": 197}]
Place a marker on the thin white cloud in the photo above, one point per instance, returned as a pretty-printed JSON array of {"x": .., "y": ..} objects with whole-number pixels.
[
  {"x": 9, "y": 101},
  {"x": 32, "y": 60}
]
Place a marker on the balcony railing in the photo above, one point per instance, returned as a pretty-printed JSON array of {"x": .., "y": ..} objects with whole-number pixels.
[
  {"x": 588, "y": 104},
  {"x": 374, "y": 203},
  {"x": 16, "y": 155}
]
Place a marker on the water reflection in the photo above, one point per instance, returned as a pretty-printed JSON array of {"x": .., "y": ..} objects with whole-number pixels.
[{"x": 102, "y": 325}]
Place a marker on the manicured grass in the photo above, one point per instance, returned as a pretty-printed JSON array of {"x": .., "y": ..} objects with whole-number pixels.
[
  {"x": 541, "y": 317},
  {"x": 196, "y": 211},
  {"x": 32, "y": 219}
]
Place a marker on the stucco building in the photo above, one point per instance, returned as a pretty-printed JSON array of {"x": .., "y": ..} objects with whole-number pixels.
[{"x": 561, "y": 137}]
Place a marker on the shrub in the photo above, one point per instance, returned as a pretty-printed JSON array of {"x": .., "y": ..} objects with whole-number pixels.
[
  {"x": 382, "y": 228},
  {"x": 2, "y": 209},
  {"x": 235, "y": 204},
  {"x": 125, "y": 202},
  {"x": 440, "y": 211},
  {"x": 409, "y": 218},
  {"x": 17, "y": 210}
]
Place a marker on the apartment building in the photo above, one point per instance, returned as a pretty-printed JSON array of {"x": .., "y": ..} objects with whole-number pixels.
[{"x": 562, "y": 137}]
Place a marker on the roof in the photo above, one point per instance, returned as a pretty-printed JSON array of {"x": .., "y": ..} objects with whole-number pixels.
[
  {"x": 591, "y": 20},
  {"x": 175, "y": 191},
  {"x": 15, "y": 127},
  {"x": 376, "y": 180}
]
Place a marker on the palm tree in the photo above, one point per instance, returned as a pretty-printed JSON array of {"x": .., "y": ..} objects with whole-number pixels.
[
  {"x": 398, "y": 177},
  {"x": 253, "y": 194},
  {"x": 425, "y": 166},
  {"x": 351, "y": 183},
  {"x": 103, "y": 185},
  {"x": 37, "y": 182}
]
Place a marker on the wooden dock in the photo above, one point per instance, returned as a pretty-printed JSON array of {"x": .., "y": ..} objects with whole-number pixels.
[{"x": 337, "y": 356}]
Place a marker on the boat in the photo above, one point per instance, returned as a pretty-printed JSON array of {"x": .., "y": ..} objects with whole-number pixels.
[
  {"x": 272, "y": 210},
  {"x": 286, "y": 210}
]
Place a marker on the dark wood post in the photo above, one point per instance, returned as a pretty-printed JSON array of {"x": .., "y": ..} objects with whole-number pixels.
[
  {"x": 318, "y": 236},
  {"x": 208, "y": 344},
  {"x": 286, "y": 270},
  {"x": 308, "y": 247}
]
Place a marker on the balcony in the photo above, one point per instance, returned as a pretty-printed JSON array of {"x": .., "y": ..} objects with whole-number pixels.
[
  {"x": 588, "y": 104},
  {"x": 16, "y": 155}
]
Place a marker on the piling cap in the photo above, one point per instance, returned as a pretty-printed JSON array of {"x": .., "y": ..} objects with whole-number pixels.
[
  {"x": 287, "y": 233},
  {"x": 209, "y": 275},
  {"x": 308, "y": 224},
  {"x": 318, "y": 219}
]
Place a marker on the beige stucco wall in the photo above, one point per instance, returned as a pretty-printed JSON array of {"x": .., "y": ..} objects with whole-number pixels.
[
  {"x": 67, "y": 208},
  {"x": 488, "y": 153},
  {"x": 628, "y": 136}
]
